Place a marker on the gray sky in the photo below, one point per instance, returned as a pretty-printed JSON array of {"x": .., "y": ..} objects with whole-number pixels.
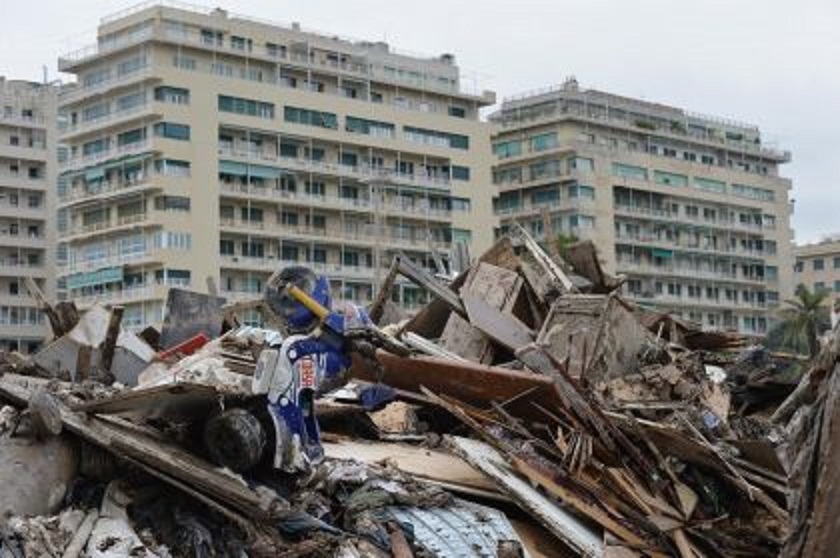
[{"x": 768, "y": 62}]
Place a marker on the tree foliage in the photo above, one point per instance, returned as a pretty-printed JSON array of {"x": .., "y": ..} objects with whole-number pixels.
[{"x": 802, "y": 320}]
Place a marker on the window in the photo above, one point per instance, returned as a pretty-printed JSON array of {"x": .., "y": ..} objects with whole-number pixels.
[
  {"x": 461, "y": 204},
  {"x": 819, "y": 264},
  {"x": 289, "y": 253},
  {"x": 548, "y": 196},
  {"x": 670, "y": 178},
  {"x": 173, "y": 277},
  {"x": 315, "y": 188},
  {"x": 836, "y": 262},
  {"x": 319, "y": 255},
  {"x": 458, "y": 112},
  {"x": 629, "y": 171},
  {"x": 819, "y": 286},
  {"x": 311, "y": 117},
  {"x": 435, "y": 137},
  {"x": 226, "y": 247},
  {"x": 543, "y": 142},
  {"x": 246, "y": 106},
  {"x": 131, "y": 137},
  {"x": 460, "y": 173},
  {"x": 544, "y": 169},
  {"x": 707, "y": 159},
  {"x": 172, "y": 203},
  {"x": 95, "y": 147},
  {"x": 183, "y": 62},
  {"x": 252, "y": 214},
  {"x": 581, "y": 191},
  {"x": 288, "y": 150},
  {"x": 128, "y": 102},
  {"x": 507, "y": 149},
  {"x": 172, "y": 167},
  {"x": 95, "y": 112},
  {"x": 253, "y": 249},
  {"x": 210, "y": 37},
  {"x": 240, "y": 43},
  {"x": 710, "y": 185},
  {"x": 131, "y": 65},
  {"x": 581, "y": 164},
  {"x": 349, "y": 159},
  {"x": 174, "y": 95},
  {"x": 275, "y": 50},
  {"x": 752, "y": 193},
  {"x": 369, "y": 127},
  {"x": 172, "y": 131}
]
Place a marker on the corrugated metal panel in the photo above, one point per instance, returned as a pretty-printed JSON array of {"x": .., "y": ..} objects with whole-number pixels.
[
  {"x": 463, "y": 530},
  {"x": 572, "y": 530}
]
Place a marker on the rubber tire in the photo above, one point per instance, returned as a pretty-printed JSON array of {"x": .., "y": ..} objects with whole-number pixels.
[{"x": 235, "y": 439}]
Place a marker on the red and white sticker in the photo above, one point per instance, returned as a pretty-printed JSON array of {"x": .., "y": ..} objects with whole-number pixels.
[{"x": 306, "y": 369}]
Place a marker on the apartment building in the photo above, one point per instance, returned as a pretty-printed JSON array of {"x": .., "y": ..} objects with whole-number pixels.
[
  {"x": 818, "y": 265},
  {"x": 690, "y": 208},
  {"x": 27, "y": 224},
  {"x": 207, "y": 144}
]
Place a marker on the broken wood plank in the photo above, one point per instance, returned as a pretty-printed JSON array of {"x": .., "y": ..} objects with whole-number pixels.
[
  {"x": 567, "y": 527},
  {"x": 111, "y": 335},
  {"x": 502, "y": 328},
  {"x": 167, "y": 458},
  {"x": 383, "y": 293}
]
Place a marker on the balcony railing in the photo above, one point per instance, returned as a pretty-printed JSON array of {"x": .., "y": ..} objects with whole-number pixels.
[
  {"x": 360, "y": 172},
  {"x": 81, "y": 161},
  {"x": 104, "y": 120},
  {"x": 107, "y": 261},
  {"x": 335, "y": 202}
]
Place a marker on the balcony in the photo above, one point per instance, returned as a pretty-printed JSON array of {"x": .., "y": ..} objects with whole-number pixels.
[
  {"x": 663, "y": 215},
  {"x": 22, "y": 121},
  {"x": 23, "y": 240},
  {"x": 362, "y": 173},
  {"x": 271, "y": 264},
  {"x": 123, "y": 222},
  {"x": 81, "y": 161},
  {"x": 722, "y": 276},
  {"x": 566, "y": 112},
  {"x": 21, "y": 180},
  {"x": 363, "y": 204},
  {"x": 645, "y": 240},
  {"x": 81, "y": 92},
  {"x": 11, "y": 267},
  {"x": 107, "y": 121},
  {"x": 668, "y": 300},
  {"x": 36, "y": 151},
  {"x": 117, "y": 260},
  {"x": 332, "y": 235},
  {"x": 107, "y": 191},
  {"x": 123, "y": 296}
]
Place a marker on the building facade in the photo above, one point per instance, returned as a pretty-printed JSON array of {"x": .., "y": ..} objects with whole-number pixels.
[
  {"x": 690, "y": 208},
  {"x": 205, "y": 144},
  {"x": 28, "y": 155},
  {"x": 818, "y": 266}
]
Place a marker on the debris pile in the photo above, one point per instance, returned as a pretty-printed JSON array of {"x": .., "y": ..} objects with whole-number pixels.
[{"x": 527, "y": 410}]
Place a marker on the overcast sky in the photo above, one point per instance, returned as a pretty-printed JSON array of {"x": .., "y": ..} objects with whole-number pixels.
[{"x": 770, "y": 62}]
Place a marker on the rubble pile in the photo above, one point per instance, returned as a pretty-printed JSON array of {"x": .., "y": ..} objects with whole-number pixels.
[{"x": 527, "y": 410}]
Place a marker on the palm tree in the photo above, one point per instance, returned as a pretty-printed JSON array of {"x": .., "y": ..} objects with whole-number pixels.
[{"x": 804, "y": 318}]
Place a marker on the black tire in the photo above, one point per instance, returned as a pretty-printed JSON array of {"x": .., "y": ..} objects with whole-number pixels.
[{"x": 235, "y": 439}]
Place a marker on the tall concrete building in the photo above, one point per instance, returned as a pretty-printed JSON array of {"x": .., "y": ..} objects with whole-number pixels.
[
  {"x": 207, "y": 144},
  {"x": 27, "y": 210},
  {"x": 818, "y": 265},
  {"x": 690, "y": 208}
]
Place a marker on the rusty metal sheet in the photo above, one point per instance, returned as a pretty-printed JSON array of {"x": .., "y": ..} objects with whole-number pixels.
[{"x": 469, "y": 382}]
